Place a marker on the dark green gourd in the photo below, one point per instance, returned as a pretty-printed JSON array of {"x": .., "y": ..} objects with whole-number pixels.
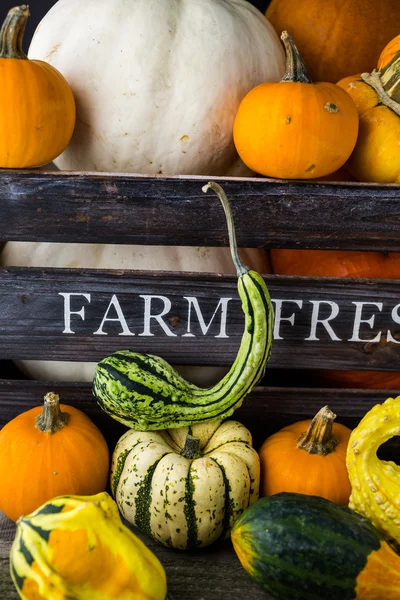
[{"x": 144, "y": 392}]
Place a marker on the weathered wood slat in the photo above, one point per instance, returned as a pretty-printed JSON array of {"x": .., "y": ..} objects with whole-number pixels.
[
  {"x": 129, "y": 209},
  {"x": 40, "y": 319},
  {"x": 264, "y": 411}
]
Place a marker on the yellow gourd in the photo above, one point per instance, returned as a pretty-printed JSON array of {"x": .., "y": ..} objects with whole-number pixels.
[
  {"x": 76, "y": 547},
  {"x": 376, "y": 483}
]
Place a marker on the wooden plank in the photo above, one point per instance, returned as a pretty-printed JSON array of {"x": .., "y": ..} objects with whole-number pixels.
[
  {"x": 133, "y": 209},
  {"x": 264, "y": 411},
  {"x": 214, "y": 572},
  {"x": 321, "y": 323}
]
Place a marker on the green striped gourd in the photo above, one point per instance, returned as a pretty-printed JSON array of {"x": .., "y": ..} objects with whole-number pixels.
[
  {"x": 76, "y": 547},
  {"x": 299, "y": 547},
  {"x": 186, "y": 487},
  {"x": 144, "y": 392}
]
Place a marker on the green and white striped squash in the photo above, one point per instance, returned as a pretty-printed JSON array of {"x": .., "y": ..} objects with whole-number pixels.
[
  {"x": 146, "y": 393},
  {"x": 186, "y": 487}
]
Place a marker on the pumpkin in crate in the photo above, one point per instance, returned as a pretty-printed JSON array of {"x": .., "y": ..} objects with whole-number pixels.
[
  {"x": 48, "y": 451},
  {"x": 342, "y": 263},
  {"x": 337, "y": 37},
  {"x": 295, "y": 129},
  {"x": 376, "y": 156},
  {"x": 298, "y": 547},
  {"x": 307, "y": 457},
  {"x": 186, "y": 487},
  {"x": 37, "y": 107},
  {"x": 159, "y": 98},
  {"x": 77, "y": 547}
]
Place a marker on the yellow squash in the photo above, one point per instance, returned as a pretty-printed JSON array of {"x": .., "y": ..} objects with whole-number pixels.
[
  {"x": 76, "y": 547},
  {"x": 376, "y": 483}
]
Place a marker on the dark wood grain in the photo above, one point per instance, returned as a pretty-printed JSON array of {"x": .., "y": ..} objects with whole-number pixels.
[
  {"x": 129, "y": 209},
  {"x": 32, "y": 324}
]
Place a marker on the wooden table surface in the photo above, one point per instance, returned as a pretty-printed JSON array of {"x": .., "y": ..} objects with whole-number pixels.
[{"x": 213, "y": 573}]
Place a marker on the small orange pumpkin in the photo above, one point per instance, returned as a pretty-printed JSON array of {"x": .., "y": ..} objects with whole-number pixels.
[
  {"x": 307, "y": 457},
  {"x": 376, "y": 156},
  {"x": 47, "y": 452},
  {"x": 37, "y": 107},
  {"x": 295, "y": 129}
]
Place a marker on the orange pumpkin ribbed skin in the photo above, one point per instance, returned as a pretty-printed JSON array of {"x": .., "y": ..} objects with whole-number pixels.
[
  {"x": 37, "y": 107},
  {"x": 287, "y": 468},
  {"x": 37, "y": 113},
  {"x": 337, "y": 37},
  {"x": 36, "y": 466}
]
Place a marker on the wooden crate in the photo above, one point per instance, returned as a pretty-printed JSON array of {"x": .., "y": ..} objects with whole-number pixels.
[{"x": 127, "y": 209}]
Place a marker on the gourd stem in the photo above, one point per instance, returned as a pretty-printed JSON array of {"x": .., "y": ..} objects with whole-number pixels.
[
  {"x": 318, "y": 439},
  {"x": 51, "y": 419},
  {"x": 295, "y": 68},
  {"x": 191, "y": 448},
  {"x": 12, "y": 33},
  {"x": 241, "y": 269},
  {"x": 374, "y": 80}
]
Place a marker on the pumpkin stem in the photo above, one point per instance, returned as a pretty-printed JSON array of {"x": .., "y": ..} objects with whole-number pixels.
[
  {"x": 318, "y": 439},
  {"x": 241, "y": 269},
  {"x": 51, "y": 419},
  {"x": 295, "y": 68},
  {"x": 12, "y": 33},
  {"x": 191, "y": 449},
  {"x": 374, "y": 80}
]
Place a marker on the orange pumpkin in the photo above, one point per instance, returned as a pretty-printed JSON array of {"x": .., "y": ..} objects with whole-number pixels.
[
  {"x": 389, "y": 67},
  {"x": 37, "y": 107},
  {"x": 308, "y": 457},
  {"x": 295, "y": 129},
  {"x": 337, "y": 37},
  {"x": 47, "y": 452},
  {"x": 376, "y": 156}
]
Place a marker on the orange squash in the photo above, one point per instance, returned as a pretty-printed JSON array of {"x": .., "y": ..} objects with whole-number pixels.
[
  {"x": 376, "y": 156},
  {"x": 37, "y": 107},
  {"x": 307, "y": 457},
  {"x": 295, "y": 129},
  {"x": 337, "y": 37},
  {"x": 47, "y": 452}
]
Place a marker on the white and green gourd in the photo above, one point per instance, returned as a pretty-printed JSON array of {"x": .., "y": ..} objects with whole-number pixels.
[
  {"x": 146, "y": 393},
  {"x": 186, "y": 487}
]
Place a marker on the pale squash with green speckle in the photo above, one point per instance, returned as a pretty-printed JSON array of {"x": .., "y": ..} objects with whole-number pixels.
[
  {"x": 76, "y": 547},
  {"x": 186, "y": 487}
]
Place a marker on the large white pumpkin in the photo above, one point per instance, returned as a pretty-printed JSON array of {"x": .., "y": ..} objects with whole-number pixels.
[{"x": 157, "y": 83}]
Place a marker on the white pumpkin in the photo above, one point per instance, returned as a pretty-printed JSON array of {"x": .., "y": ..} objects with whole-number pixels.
[
  {"x": 186, "y": 488},
  {"x": 108, "y": 256},
  {"x": 157, "y": 83}
]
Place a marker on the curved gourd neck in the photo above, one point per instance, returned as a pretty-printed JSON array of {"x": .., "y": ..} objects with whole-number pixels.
[
  {"x": 241, "y": 269},
  {"x": 12, "y": 33},
  {"x": 295, "y": 68}
]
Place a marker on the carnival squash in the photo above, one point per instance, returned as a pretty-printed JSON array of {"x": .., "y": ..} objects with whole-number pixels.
[
  {"x": 295, "y": 129},
  {"x": 299, "y": 547},
  {"x": 77, "y": 547},
  {"x": 307, "y": 457},
  {"x": 376, "y": 483},
  {"x": 389, "y": 68},
  {"x": 336, "y": 38},
  {"x": 159, "y": 98},
  {"x": 186, "y": 487},
  {"x": 48, "y": 451},
  {"x": 37, "y": 108},
  {"x": 376, "y": 156}
]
